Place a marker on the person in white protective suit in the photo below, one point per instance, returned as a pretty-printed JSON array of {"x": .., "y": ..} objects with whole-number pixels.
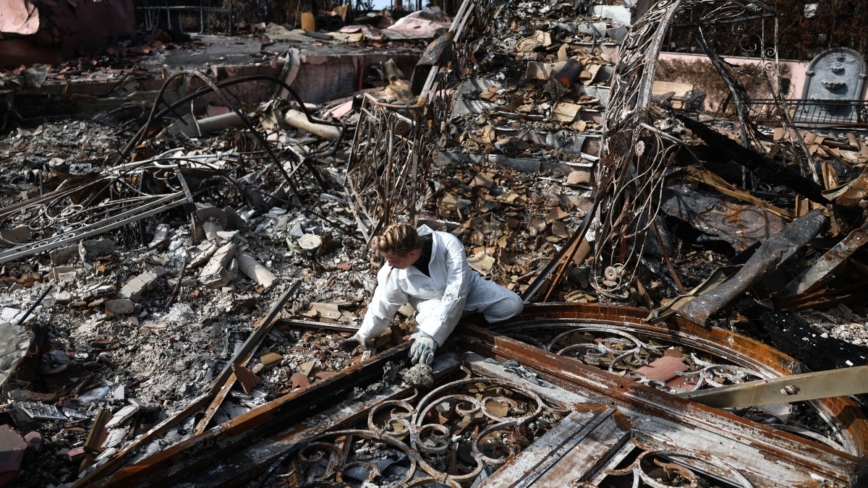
[{"x": 429, "y": 270}]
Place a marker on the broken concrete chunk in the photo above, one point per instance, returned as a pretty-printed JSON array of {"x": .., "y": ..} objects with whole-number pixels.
[
  {"x": 90, "y": 250},
  {"x": 199, "y": 255},
  {"x": 136, "y": 287},
  {"x": 63, "y": 297},
  {"x": 160, "y": 235},
  {"x": 211, "y": 229},
  {"x": 13, "y": 347},
  {"x": 310, "y": 242},
  {"x": 256, "y": 271},
  {"x": 115, "y": 438},
  {"x": 63, "y": 254},
  {"x": 216, "y": 274},
  {"x": 122, "y": 416}
]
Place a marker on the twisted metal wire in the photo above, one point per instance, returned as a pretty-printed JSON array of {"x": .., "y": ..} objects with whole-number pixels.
[{"x": 635, "y": 153}]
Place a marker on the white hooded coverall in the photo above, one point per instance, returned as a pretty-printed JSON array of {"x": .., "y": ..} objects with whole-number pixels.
[{"x": 441, "y": 299}]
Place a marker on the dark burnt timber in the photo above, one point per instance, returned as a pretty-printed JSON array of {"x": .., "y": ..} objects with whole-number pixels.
[
  {"x": 764, "y": 168},
  {"x": 770, "y": 255}
]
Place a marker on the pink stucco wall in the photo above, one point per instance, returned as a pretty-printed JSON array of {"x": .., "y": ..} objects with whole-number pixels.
[{"x": 795, "y": 70}]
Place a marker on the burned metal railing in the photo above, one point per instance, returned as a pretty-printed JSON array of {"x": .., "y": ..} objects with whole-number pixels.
[
  {"x": 394, "y": 144},
  {"x": 810, "y": 112},
  {"x": 387, "y": 170},
  {"x": 70, "y": 214},
  {"x": 636, "y": 152}
]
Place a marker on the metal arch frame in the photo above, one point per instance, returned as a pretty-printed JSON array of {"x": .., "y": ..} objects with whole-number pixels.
[
  {"x": 841, "y": 412},
  {"x": 635, "y": 153}
]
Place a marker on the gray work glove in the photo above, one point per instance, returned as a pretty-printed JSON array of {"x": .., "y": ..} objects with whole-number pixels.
[{"x": 422, "y": 350}]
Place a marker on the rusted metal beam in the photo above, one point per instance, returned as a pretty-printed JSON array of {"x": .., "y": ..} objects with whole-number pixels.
[
  {"x": 738, "y": 349},
  {"x": 796, "y": 388},
  {"x": 563, "y": 257},
  {"x": 123, "y": 456},
  {"x": 243, "y": 466},
  {"x": 226, "y": 379},
  {"x": 159, "y": 205},
  {"x": 770, "y": 255},
  {"x": 306, "y": 324},
  {"x": 255, "y": 338}
]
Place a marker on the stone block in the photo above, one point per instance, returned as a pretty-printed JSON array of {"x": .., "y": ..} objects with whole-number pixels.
[
  {"x": 136, "y": 287},
  {"x": 122, "y": 306},
  {"x": 219, "y": 270}
]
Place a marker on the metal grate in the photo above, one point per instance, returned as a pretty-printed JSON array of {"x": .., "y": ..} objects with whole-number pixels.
[
  {"x": 153, "y": 13},
  {"x": 839, "y": 112}
]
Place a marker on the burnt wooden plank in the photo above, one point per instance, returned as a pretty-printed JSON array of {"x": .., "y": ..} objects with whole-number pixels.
[{"x": 574, "y": 448}]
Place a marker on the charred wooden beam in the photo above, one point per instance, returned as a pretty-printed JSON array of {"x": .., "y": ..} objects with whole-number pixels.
[
  {"x": 764, "y": 168},
  {"x": 769, "y": 256}
]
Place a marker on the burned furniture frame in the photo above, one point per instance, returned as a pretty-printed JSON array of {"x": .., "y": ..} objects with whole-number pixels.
[{"x": 615, "y": 426}]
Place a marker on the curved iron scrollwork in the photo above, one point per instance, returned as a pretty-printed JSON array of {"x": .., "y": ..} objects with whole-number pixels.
[
  {"x": 79, "y": 211},
  {"x": 624, "y": 350},
  {"x": 621, "y": 351},
  {"x": 448, "y": 437},
  {"x": 636, "y": 150},
  {"x": 664, "y": 468}
]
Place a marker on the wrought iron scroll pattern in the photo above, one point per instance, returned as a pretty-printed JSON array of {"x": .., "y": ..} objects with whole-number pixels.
[
  {"x": 622, "y": 350},
  {"x": 656, "y": 467},
  {"x": 448, "y": 437},
  {"x": 387, "y": 171},
  {"x": 89, "y": 208},
  {"x": 635, "y": 153}
]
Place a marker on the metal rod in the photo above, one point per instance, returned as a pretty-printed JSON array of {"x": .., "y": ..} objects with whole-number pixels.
[
  {"x": 255, "y": 338},
  {"x": 786, "y": 389},
  {"x": 35, "y": 304}
]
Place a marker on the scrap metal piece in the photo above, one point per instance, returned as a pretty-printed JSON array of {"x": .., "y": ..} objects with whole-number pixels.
[
  {"x": 655, "y": 414},
  {"x": 796, "y": 388},
  {"x": 568, "y": 450},
  {"x": 79, "y": 220},
  {"x": 41, "y": 411},
  {"x": 770, "y": 255},
  {"x": 822, "y": 270},
  {"x": 285, "y": 412},
  {"x": 762, "y": 166},
  {"x": 224, "y": 382},
  {"x": 620, "y": 339}
]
